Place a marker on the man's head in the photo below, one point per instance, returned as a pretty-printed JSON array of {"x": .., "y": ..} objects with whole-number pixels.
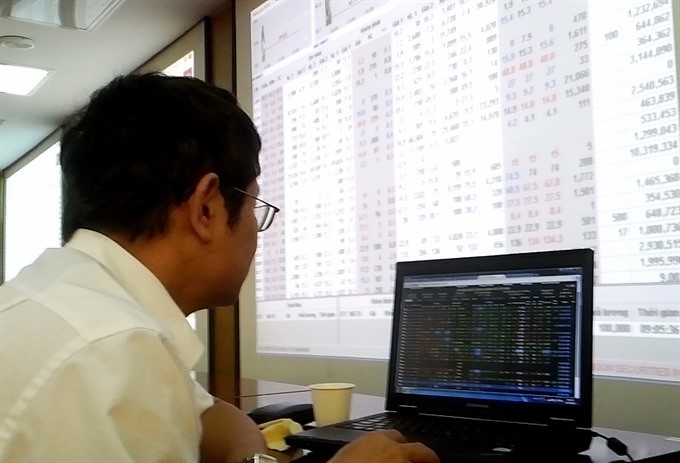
[
  {"x": 141, "y": 145},
  {"x": 166, "y": 166}
]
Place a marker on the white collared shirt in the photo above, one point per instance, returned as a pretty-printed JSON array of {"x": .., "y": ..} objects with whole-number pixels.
[{"x": 94, "y": 361}]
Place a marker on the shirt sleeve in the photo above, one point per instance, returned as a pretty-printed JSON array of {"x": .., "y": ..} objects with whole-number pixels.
[
  {"x": 126, "y": 397},
  {"x": 204, "y": 400}
]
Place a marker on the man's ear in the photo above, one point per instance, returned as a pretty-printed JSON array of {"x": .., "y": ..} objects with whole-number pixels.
[{"x": 203, "y": 206}]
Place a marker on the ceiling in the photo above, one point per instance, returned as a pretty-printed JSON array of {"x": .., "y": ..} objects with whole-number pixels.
[{"x": 81, "y": 61}]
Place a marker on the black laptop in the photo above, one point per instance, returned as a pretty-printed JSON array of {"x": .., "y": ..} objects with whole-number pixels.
[{"x": 491, "y": 359}]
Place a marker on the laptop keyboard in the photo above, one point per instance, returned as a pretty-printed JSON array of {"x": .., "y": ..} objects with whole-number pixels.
[{"x": 468, "y": 432}]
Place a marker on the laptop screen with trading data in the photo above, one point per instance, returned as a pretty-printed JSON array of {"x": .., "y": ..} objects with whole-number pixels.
[{"x": 493, "y": 336}]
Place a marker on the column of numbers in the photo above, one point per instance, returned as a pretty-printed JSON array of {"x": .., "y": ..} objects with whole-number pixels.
[
  {"x": 414, "y": 120},
  {"x": 547, "y": 125},
  {"x": 299, "y": 205},
  {"x": 268, "y": 116},
  {"x": 375, "y": 199},
  {"x": 637, "y": 142}
]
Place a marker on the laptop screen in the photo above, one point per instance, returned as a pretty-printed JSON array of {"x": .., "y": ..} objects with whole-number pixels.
[{"x": 501, "y": 337}]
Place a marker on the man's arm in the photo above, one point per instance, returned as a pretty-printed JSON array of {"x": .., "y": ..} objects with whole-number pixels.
[{"x": 229, "y": 435}]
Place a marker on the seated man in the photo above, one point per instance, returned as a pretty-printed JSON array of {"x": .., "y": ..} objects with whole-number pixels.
[{"x": 159, "y": 220}]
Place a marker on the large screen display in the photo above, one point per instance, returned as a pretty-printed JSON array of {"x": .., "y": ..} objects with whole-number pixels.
[{"x": 413, "y": 130}]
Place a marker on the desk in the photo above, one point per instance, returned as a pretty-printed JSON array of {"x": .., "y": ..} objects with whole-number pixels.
[{"x": 647, "y": 448}]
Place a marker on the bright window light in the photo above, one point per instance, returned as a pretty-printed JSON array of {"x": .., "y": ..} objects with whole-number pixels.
[
  {"x": 28, "y": 235},
  {"x": 20, "y": 80}
]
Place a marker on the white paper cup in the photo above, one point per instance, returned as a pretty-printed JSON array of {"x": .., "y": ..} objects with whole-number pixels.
[{"x": 331, "y": 402}]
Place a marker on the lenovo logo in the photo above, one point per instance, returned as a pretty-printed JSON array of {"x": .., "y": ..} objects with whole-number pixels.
[{"x": 473, "y": 405}]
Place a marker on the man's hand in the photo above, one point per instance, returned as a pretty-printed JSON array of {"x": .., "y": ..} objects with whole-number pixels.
[{"x": 384, "y": 447}]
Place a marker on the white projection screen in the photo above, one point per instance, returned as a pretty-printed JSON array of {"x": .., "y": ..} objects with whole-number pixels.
[{"x": 413, "y": 130}]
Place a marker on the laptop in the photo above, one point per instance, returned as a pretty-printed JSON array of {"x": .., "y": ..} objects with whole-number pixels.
[{"x": 499, "y": 347}]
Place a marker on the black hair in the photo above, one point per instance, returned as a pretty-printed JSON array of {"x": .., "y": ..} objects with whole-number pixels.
[{"x": 140, "y": 146}]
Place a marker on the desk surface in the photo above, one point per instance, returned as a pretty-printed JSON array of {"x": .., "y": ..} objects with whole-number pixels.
[{"x": 648, "y": 448}]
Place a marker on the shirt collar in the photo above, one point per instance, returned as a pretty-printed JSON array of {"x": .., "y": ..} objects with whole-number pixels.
[{"x": 143, "y": 286}]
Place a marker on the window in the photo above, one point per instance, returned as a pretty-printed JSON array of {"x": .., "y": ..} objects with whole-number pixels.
[{"x": 32, "y": 210}]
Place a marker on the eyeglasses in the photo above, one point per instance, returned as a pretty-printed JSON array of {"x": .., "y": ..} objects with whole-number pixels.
[{"x": 264, "y": 212}]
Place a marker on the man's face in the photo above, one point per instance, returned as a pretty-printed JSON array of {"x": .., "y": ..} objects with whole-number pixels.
[{"x": 238, "y": 247}]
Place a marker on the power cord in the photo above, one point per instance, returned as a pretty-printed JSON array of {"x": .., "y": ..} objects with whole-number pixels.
[{"x": 615, "y": 445}]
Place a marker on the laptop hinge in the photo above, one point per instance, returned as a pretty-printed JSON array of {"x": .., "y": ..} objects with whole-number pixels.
[
  {"x": 408, "y": 409},
  {"x": 561, "y": 423}
]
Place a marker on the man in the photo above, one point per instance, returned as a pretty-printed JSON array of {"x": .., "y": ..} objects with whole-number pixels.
[{"x": 160, "y": 220}]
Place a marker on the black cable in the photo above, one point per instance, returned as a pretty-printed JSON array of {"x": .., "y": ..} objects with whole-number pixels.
[{"x": 615, "y": 445}]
